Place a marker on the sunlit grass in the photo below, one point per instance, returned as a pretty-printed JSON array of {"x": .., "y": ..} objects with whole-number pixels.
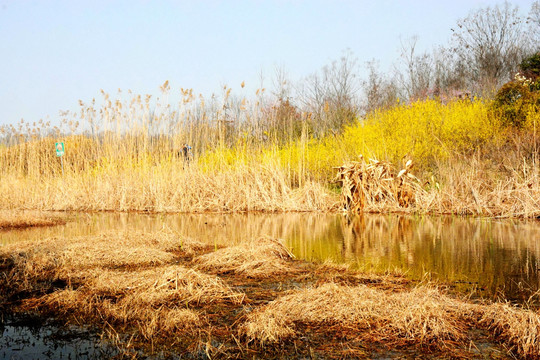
[{"x": 125, "y": 155}]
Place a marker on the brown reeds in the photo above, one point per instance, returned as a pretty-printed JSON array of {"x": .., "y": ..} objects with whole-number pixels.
[
  {"x": 374, "y": 184},
  {"x": 518, "y": 328}
]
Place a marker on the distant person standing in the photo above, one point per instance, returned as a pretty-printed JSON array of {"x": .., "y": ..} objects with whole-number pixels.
[{"x": 187, "y": 154}]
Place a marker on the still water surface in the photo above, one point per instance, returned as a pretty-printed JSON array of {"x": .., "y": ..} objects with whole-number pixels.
[{"x": 492, "y": 258}]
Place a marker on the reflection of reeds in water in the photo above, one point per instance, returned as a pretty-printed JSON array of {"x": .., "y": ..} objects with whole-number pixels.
[{"x": 497, "y": 256}]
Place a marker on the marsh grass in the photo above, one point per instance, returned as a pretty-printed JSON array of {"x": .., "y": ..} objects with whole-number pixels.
[
  {"x": 158, "y": 292},
  {"x": 123, "y": 154},
  {"x": 422, "y": 316},
  {"x": 263, "y": 257},
  {"x": 519, "y": 328}
]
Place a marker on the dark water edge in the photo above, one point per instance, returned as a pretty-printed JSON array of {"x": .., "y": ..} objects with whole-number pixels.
[{"x": 32, "y": 337}]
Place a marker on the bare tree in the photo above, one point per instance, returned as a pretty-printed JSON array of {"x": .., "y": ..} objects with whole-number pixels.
[
  {"x": 491, "y": 43},
  {"x": 331, "y": 95},
  {"x": 417, "y": 78},
  {"x": 379, "y": 92},
  {"x": 533, "y": 21}
]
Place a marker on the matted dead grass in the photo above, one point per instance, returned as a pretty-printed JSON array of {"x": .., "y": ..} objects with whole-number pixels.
[
  {"x": 161, "y": 285},
  {"x": 120, "y": 313},
  {"x": 40, "y": 262},
  {"x": 421, "y": 316},
  {"x": 518, "y": 328},
  {"x": 16, "y": 219},
  {"x": 263, "y": 257},
  {"x": 154, "y": 301},
  {"x": 111, "y": 249}
]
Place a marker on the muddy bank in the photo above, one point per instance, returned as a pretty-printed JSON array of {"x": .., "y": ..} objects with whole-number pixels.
[{"x": 158, "y": 293}]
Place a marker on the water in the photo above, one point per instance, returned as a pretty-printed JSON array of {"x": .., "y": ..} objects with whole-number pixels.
[
  {"x": 38, "y": 340},
  {"x": 493, "y": 258},
  {"x": 488, "y": 258}
]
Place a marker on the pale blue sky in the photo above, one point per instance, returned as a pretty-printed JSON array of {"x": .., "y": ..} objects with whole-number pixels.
[{"x": 54, "y": 53}]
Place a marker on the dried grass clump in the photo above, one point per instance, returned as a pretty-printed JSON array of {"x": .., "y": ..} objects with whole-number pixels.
[
  {"x": 153, "y": 300},
  {"x": 518, "y": 328},
  {"x": 263, "y": 257},
  {"x": 162, "y": 285},
  {"x": 376, "y": 184},
  {"x": 149, "y": 321},
  {"x": 22, "y": 219},
  {"x": 40, "y": 262},
  {"x": 421, "y": 316},
  {"x": 108, "y": 250}
]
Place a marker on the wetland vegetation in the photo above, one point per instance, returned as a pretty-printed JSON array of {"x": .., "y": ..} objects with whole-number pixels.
[
  {"x": 158, "y": 291},
  {"x": 458, "y": 137}
]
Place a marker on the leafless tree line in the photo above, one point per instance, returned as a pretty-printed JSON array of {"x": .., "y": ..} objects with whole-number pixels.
[{"x": 484, "y": 52}]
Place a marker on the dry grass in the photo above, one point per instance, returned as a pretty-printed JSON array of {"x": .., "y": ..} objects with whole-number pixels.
[
  {"x": 167, "y": 188},
  {"x": 263, "y": 257},
  {"x": 129, "y": 279},
  {"x": 421, "y": 316},
  {"x": 12, "y": 219},
  {"x": 161, "y": 285},
  {"x": 65, "y": 258},
  {"x": 489, "y": 187},
  {"x": 376, "y": 184},
  {"x": 122, "y": 313},
  {"x": 156, "y": 301},
  {"x": 467, "y": 187},
  {"x": 153, "y": 286},
  {"x": 518, "y": 328}
]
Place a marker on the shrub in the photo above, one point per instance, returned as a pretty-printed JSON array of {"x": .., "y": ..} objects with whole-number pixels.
[
  {"x": 513, "y": 101},
  {"x": 530, "y": 67}
]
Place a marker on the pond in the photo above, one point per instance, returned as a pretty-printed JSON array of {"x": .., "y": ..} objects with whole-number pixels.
[{"x": 484, "y": 257}]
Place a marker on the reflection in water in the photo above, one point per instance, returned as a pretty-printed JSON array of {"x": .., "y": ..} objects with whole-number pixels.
[{"x": 496, "y": 257}]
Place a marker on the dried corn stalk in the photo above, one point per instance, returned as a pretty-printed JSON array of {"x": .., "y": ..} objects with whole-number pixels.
[{"x": 375, "y": 183}]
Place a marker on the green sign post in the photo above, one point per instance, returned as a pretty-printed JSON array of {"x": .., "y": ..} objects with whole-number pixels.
[
  {"x": 60, "y": 152},
  {"x": 59, "y": 148}
]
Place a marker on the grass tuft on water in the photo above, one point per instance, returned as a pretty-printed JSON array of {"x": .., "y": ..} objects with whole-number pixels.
[
  {"x": 263, "y": 257},
  {"x": 422, "y": 316},
  {"x": 16, "y": 219}
]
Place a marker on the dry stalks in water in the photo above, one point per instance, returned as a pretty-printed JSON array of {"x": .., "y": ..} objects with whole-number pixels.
[{"x": 375, "y": 184}]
